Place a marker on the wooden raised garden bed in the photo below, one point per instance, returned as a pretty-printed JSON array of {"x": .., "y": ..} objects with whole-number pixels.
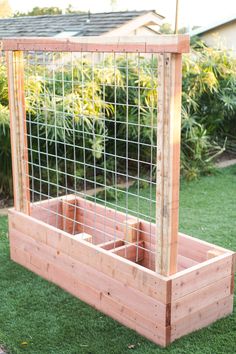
[
  {"x": 144, "y": 274},
  {"x": 108, "y": 276}
]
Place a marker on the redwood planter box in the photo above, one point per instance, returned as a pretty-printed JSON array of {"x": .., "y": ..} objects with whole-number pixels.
[
  {"x": 108, "y": 275},
  {"x": 119, "y": 264}
]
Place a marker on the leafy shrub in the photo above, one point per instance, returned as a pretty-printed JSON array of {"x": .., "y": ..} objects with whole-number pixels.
[
  {"x": 5, "y": 152},
  {"x": 208, "y": 113},
  {"x": 208, "y": 107},
  {"x": 5, "y": 147}
]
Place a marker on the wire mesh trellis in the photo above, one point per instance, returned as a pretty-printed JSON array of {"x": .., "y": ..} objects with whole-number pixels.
[
  {"x": 91, "y": 131},
  {"x": 90, "y": 160}
]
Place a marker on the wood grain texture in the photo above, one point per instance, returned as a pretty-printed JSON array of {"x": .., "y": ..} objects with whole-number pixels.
[
  {"x": 139, "y": 44},
  {"x": 198, "y": 247},
  {"x": 138, "y": 298},
  {"x": 112, "y": 297},
  {"x": 18, "y": 130},
  {"x": 133, "y": 252},
  {"x": 109, "y": 245},
  {"x": 133, "y": 275},
  {"x": 69, "y": 215},
  {"x": 201, "y": 275},
  {"x": 200, "y": 298},
  {"x": 86, "y": 274},
  {"x": 202, "y": 318},
  {"x": 213, "y": 253},
  {"x": 168, "y": 162},
  {"x": 131, "y": 229},
  {"x": 48, "y": 211}
]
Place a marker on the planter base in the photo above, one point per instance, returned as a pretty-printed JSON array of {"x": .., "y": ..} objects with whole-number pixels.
[{"x": 113, "y": 277}]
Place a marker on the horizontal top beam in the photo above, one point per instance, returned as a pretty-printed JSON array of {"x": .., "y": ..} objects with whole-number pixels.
[{"x": 152, "y": 44}]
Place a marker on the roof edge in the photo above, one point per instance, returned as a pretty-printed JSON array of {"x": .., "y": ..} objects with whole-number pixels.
[
  {"x": 85, "y": 13},
  {"x": 205, "y": 29}
]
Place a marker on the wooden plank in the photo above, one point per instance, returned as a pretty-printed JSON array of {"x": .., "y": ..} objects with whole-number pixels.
[
  {"x": 83, "y": 236},
  {"x": 141, "y": 324},
  {"x": 202, "y": 318},
  {"x": 109, "y": 245},
  {"x": 69, "y": 212},
  {"x": 19, "y": 255},
  {"x": 147, "y": 233},
  {"x": 105, "y": 223},
  {"x": 15, "y": 69},
  {"x": 136, "y": 276},
  {"x": 45, "y": 257},
  {"x": 154, "y": 44},
  {"x": 90, "y": 283},
  {"x": 188, "y": 243},
  {"x": 200, "y": 298},
  {"x": 189, "y": 247},
  {"x": 110, "y": 221},
  {"x": 97, "y": 235},
  {"x": 48, "y": 211},
  {"x": 201, "y": 275},
  {"x": 168, "y": 162},
  {"x": 155, "y": 329},
  {"x": 131, "y": 229},
  {"x": 51, "y": 272},
  {"x": 185, "y": 262},
  {"x": 193, "y": 248},
  {"x": 111, "y": 216},
  {"x": 213, "y": 253},
  {"x": 133, "y": 252},
  {"x": 99, "y": 227}
]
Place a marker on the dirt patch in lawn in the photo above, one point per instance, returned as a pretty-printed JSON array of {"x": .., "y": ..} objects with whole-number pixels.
[
  {"x": 226, "y": 159},
  {"x": 5, "y": 204}
]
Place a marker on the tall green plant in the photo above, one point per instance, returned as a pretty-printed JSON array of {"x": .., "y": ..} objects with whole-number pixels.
[
  {"x": 208, "y": 107},
  {"x": 5, "y": 152},
  {"x": 5, "y": 146}
]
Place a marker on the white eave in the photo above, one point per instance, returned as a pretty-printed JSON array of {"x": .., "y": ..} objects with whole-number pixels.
[{"x": 214, "y": 25}]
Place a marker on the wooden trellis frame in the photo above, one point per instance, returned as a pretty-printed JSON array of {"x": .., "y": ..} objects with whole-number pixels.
[{"x": 162, "y": 303}]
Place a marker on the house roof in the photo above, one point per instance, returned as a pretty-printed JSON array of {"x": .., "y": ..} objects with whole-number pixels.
[
  {"x": 94, "y": 24},
  {"x": 212, "y": 26}
]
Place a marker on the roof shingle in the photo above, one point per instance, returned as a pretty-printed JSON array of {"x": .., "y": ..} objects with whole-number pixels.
[{"x": 82, "y": 24}]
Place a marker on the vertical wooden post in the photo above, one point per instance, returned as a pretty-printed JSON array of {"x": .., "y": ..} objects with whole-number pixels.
[
  {"x": 15, "y": 66},
  {"x": 176, "y": 16},
  {"x": 168, "y": 161}
]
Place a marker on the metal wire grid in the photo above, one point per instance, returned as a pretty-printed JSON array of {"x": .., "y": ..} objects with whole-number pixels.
[{"x": 91, "y": 128}]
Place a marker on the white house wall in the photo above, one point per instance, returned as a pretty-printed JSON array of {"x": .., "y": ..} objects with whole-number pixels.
[{"x": 223, "y": 37}]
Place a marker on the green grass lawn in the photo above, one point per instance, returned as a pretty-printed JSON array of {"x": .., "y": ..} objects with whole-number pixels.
[{"x": 38, "y": 317}]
